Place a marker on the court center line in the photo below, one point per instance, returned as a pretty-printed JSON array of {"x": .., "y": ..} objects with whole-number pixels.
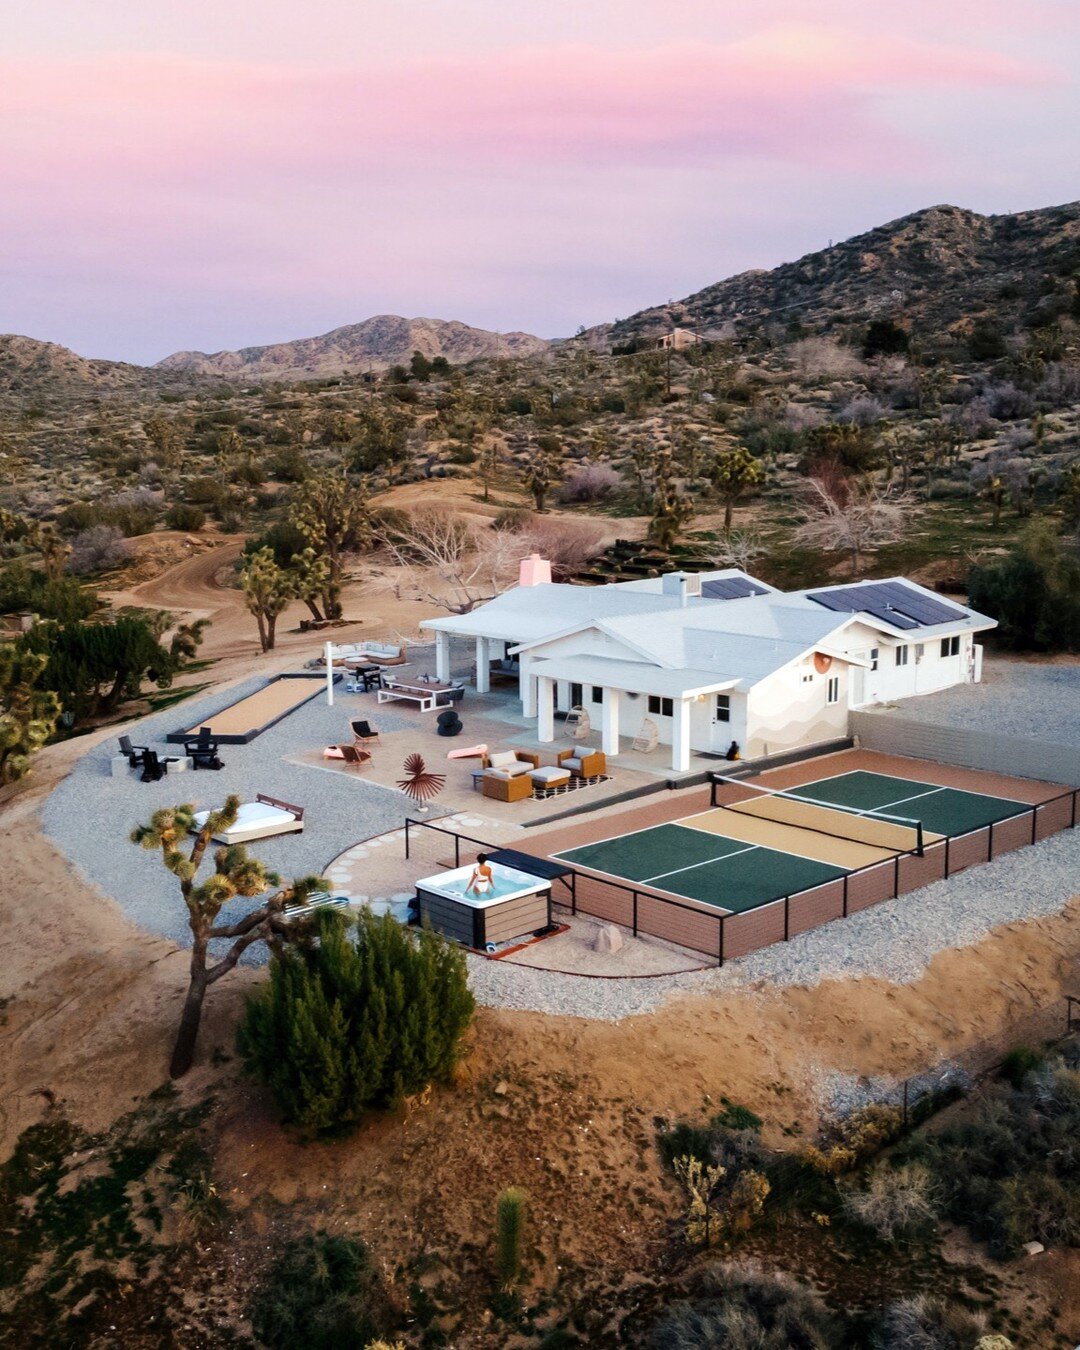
[
  {"x": 720, "y": 857},
  {"x": 791, "y": 853}
]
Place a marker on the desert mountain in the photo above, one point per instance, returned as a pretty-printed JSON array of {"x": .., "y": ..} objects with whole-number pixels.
[
  {"x": 375, "y": 344},
  {"x": 30, "y": 368},
  {"x": 933, "y": 267}
]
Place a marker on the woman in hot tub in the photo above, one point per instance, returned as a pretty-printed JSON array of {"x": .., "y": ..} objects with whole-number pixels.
[{"x": 482, "y": 879}]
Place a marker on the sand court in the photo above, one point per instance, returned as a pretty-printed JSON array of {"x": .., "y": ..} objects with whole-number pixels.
[
  {"x": 749, "y": 829},
  {"x": 244, "y": 720}
]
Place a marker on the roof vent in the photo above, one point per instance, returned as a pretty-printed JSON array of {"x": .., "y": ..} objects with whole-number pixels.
[
  {"x": 534, "y": 571},
  {"x": 682, "y": 584}
]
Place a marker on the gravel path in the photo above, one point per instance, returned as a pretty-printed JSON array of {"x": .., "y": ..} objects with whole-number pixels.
[
  {"x": 90, "y": 814},
  {"x": 1015, "y": 698}
]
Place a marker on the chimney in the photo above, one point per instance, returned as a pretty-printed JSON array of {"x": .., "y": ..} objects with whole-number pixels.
[{"x": 535, "y": 571}]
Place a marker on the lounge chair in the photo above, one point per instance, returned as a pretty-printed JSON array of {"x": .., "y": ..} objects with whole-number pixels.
[
  {"x": 583, "y": 762},
  {"x": 134, "y": 753},
  {"x": 355, "y": 758},
  {"x": 202, "y": 750},
  {"x": 363, "y": 733},
  {"x": 153, "y": 767},
  {"x": 578, "y": 723},
  {"x": 260, "y": 819},
  {"x": 648, "y": 738},
  {"x": 511, "y": 763}
]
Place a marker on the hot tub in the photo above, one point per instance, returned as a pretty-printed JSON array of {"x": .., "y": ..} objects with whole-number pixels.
[{"x": 517, "y": 904}]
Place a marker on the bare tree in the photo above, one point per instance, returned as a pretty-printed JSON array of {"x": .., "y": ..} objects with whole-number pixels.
[
  {"x": 740, "y": 548},
  {"x": 443, "y": 559},
  {"x": 569, "y": 545},
  {"x": 851, "y": 514}
]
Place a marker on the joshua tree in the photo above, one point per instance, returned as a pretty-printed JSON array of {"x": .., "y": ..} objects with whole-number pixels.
[
  {"x": 267, "y": 588},
  {"x": 734, "y": 473},
  {"x": 331, "y": 511},
  {"x": 235, "y": 874},
  {"x": 27, "y": 714},
  {"x": 543, "y": 470}
]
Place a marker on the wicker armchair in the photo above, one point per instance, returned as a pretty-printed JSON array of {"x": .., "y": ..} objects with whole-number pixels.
[{"x": 582, "y": 762}]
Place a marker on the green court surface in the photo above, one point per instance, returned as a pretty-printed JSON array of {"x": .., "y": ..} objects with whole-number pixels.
[
  {"x": 708, "y": 867},
  {"x": 736, "y": 876},
  {"x": 942, "y": 810}
]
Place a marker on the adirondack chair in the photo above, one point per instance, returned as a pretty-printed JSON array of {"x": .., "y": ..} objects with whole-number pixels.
[{"x": 648, "y": 738}]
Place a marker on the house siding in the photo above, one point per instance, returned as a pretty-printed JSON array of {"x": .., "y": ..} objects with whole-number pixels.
[{"x": 785, "y": 711}]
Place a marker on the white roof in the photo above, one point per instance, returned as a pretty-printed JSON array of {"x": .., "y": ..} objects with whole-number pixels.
[{"x": 632, "y": 676}]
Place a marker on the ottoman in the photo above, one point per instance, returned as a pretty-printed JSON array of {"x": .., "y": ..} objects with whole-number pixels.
[{"x": 548, "y": 778}]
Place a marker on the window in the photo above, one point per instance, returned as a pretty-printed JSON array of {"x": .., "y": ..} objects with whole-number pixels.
[
  {"x": 833, "y": 694},
  {"x": 901, "y": 656},
  {"x": 597, "y": 694},
  {"x": 661, "y": 707},
  {"x": 723, "y": 707},
  {"x": 950, "y": 646},
  {"x": 874, "y": 656}
]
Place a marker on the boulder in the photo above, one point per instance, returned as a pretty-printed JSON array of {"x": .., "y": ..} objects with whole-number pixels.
[{"x": 608, "y": 938}]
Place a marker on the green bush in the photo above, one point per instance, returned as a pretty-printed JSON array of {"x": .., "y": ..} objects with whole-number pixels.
[
  {"x": 322, "y": 1293},
  {"x": 183, "y": 516},
  {"x": 509, "y": 1234},
  {"x": 1018, "y": 1063},
  {"x": 360, "y": 1020},
  {"x": 1034, "y": 593},
  {"x": 684, "y": 1140},
  {"x": 65, "y": 599},
  {"x": 732, "y": 1116}
]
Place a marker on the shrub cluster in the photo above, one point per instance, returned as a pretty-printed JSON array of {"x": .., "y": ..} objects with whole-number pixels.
[{"x": 358, "y": 1021}]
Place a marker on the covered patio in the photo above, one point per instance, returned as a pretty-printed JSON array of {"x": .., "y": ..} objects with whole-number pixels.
[{"x": 617, "y": 682}]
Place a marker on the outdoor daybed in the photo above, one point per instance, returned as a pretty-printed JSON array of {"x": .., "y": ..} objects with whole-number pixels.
[{"x": 260, "y": 819}]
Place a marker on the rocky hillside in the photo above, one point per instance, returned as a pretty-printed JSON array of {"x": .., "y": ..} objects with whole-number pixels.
[
  {"x": 30, "y": 369},
  {"x": 375, "y": 344},
  {"x": 933, "y": 268}
]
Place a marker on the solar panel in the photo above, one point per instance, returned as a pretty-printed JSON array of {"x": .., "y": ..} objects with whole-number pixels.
[
  {"x": 730, "y": 588},
  {"x": 890, "y": 601}
]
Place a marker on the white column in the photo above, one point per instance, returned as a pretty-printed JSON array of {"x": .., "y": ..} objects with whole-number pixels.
[
  {"x": 609, "y": 722},
  {"x": 483, "y": 666},
  {"x": 545, "y": 694},
  {"x": 442, "y": 657},
  {"x": 527, "y": 687},
  {"x": 680, "y": 736}
]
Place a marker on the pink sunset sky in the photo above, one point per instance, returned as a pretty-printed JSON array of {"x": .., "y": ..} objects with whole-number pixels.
[{"x": 212, "y": 175}]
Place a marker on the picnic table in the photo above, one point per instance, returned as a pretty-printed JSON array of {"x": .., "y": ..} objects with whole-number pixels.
[{"x": 426, "y": 694}]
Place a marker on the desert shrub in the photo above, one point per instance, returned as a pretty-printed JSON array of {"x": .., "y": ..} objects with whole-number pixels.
[
  {"x": 24, "y": 588},
  {"x": 1018, "y": 1063},
  {"x": 289, "y": 465},
  {"x": 512, "y": 518},
  {"x": 822, "y": 358},
  {"x": 684, "y": 1141},
  {"x": 924, "y": 1323},
  {"x": 363, "y": 1019},
  {"x": 1006, "y": 403},
  {"x": 987, "y": 342},
  {"x": 1011, "y": 1172},
  {"x": 1034, "y": 592},
  {"x": 99, "y": 548},
  {"x": 209, "y": 492},
  {"x": 591, "y": 483},
  {"x": 732, "y": 1116},
  {"x": 95, "y": 666},
  {"x": 861, "y": 411},
  {"x": 742, "y": 1306},
  {"x": 853, "y": 1139},
  {"x": 885, "y": 338},
  {"x": 282, "y": 538},
  {"x": 568, "y": 545},
  {"x": 183, "y": 516},
  {"x": 1060, "y": 386},
  {"x": 322, "y": 1293},
  {"x": 896, "y": 1202}
]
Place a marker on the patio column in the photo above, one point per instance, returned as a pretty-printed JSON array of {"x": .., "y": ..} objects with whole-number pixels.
[
  {"x": 609, "y": 722},
  {"x": 442, "y": 657},
  {"x": 526, "y": 687},
  {"x": 545, "y": 694},
  {"x": 483, "y": 666},
  {"x": 680, "y": 736}
]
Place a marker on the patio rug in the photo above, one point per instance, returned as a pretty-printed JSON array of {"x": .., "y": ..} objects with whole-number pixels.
[{"x": 541, "y": 794}]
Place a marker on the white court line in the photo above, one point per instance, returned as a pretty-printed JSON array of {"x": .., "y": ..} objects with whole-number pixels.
[
  {"x": 806, "y": 857},
  {"x": 919, "y": 782},
  {"x": 720, "y": 857}
]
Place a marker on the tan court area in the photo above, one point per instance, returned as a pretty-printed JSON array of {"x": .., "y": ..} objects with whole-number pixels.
[
  {"x": 255, "y": 711},
  {"x": 803, "y": 843}
]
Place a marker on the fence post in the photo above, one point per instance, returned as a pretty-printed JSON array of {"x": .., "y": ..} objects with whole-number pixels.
[
  {"x": 634, "y": 893},
  {"x": 896, "y": 877},
  {"x": 948, "y": 838},
  {"x": 1035, "y": 824},
  {"x": 845, "y": 895},
  {"x": 722, "y": 917},
  {"x": 990, "y": 843},
  {"x": 457, "y": 850},
  {"x": 787, "y": 917},
  {"x": 406, "y": 838},
  {"x": 1076, "y": 794}
]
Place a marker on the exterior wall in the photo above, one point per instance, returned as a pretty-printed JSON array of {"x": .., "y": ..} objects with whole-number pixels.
[
  {"x": 785, "y": 711},
  {"x": 921, "y": 675}
]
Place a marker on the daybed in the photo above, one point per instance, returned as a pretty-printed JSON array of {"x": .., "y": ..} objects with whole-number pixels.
[
  {"x": 511, "y": 763},
  {"x": 383, "y": 653},
  {"x": 260, "y": 819}
]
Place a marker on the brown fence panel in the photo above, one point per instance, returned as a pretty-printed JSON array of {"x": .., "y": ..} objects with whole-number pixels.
[
  {"x": 753, "y": 929},
  {"x": 871, "y": 886},
  {"x": 810, "y": 909},
  {"x": 968, "y": 850},
  {"x": 688, "y": 927},
  {"x": 1011, "y": 834},
  {"x": 1054, "y": 816},
  {"x": 596, "y": 897},
  {"x": 916, "y": 871}
]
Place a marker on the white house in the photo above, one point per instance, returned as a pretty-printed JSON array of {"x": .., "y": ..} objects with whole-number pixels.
[{"x": 716, "y": 657}]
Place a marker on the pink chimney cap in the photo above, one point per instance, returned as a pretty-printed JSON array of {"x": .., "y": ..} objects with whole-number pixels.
[{"x": 535, "y": 571}]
